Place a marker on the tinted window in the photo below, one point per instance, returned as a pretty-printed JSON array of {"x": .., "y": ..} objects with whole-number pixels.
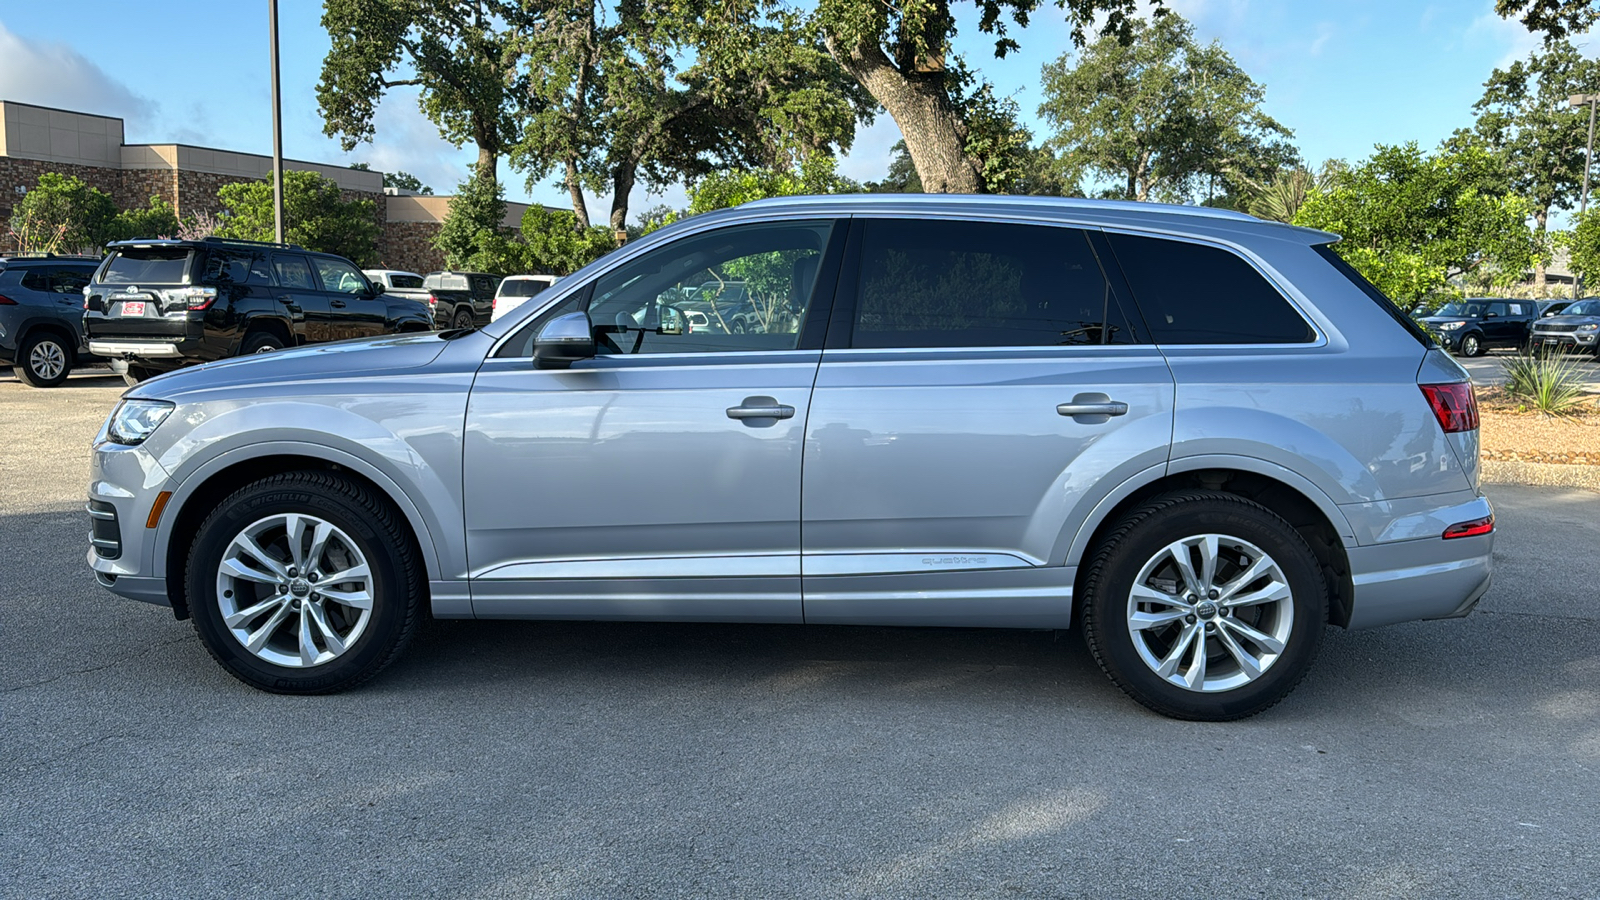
[
  {"x": 69, "y": 281},
  {"x": 521, "y": 287},
  {"x": 1196, "y": 294},
  {"x": 339, "y": 277},
  {"x": 293, "y": 272},
  {"x": 406, "y": 281},
  {"x": 981, "y": 284},
  {"x": 746, "y": 288},
  {"x": 35, "y": 279},
  {"x": 150, "y": 265},
  {"x": 235, "y": 267}
]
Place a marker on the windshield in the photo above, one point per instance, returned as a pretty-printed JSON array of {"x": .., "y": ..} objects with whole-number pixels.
[
  {"x": 1465, "y": 310},
  {"x": 1583, "y": 308},
  {"x": 147, "y": 265}
]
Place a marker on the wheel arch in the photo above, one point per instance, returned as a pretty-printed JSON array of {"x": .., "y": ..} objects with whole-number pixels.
[
  {"x": 1312, "y": 513},
  {"x": 208, "y": 486},
  {"x": 36, "y": 324},
  {"x": 271, "y": 324}
]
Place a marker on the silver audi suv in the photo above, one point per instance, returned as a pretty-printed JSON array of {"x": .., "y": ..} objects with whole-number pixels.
[{"x": 1199, "y": 437}]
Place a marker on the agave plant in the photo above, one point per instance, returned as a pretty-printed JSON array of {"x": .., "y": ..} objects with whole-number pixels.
[{"x": 1548, "y": 381}]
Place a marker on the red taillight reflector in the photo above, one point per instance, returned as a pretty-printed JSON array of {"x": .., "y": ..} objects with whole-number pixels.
[
  {"x": 7, "y": 301},
  {"x": 1454, "y": 405},
  {"x": 433, "y": 300},
  {"x": 1470, "y": 529}
]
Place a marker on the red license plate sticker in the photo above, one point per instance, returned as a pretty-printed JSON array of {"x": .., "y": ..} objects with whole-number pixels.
[{"x": 133, "y": 308}]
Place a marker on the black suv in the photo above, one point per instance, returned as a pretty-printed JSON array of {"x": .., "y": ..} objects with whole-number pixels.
[
  {"x": 41, "y": 316},
  {"x": 1471, "y": 327},
  {"x": 156, "y": 305}
]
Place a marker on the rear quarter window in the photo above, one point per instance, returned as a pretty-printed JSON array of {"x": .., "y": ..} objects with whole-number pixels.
[{"x": 1199, "y": 294}]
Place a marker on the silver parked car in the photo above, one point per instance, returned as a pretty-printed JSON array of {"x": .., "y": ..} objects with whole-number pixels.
[{"x": 1198, "y": 436}]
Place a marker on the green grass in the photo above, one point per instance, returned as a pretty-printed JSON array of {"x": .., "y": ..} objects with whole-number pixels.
[{"x": 1550, "y": 381}]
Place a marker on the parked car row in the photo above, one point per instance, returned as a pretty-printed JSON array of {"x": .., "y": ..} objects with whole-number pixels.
[
  {"x": 1476, "y": 325},
  {"x": 151, "y": 306}
]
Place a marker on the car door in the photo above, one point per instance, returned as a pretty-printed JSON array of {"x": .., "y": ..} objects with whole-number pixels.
[
  {"x": 1497, "y": 331},
  {"x": 982, "y": 389},
  {"x": 661, "y": 478},
  {"x": 304, "y": 303},
  {"x": 66, "y": 284},
  {"x": 353, "y": 310}
]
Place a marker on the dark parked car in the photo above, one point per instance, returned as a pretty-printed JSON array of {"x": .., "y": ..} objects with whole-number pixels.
[
  {"x": 461, "y": 299},
  {"x": 1576, "y": 328},
  {"x": 158, "y": 305},
  {"x": 1473, "y": 326},
  {"x": 41, "y": 316}
]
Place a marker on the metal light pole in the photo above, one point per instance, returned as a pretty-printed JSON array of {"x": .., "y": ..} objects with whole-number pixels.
[
  {"x": 1588, "y": 155},
  {"x": 277, "y": 127}
]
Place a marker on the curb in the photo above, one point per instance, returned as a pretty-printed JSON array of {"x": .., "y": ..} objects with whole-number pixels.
[{"x": 1510, "y": 471}]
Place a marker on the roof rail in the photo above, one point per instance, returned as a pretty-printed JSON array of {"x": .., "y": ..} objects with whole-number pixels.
[
  {"x": 1009, "y": 200},
  {"x": 37, "y": 254},
  {"x": 213, "y": 239}
]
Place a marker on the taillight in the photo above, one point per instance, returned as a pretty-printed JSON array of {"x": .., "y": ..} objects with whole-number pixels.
[
  {"x": 7, "y": 301},
  {"x": 1470, "y": 529},
  {"x": 190, "y": 298},
  {"x": 433, "y": 300},
  {"x": 1454, "y": 405}
]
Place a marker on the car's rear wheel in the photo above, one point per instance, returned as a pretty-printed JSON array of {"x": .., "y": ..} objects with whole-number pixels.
[
  {"x": 1204, "y": 605},
  {"x": 43, "y": 360},
  {"x": 463, "y": 319},
  {"x": 304, "y": 583},
  {"x": 1471, "y": 345},
  {"x": 261, "y": 342}
]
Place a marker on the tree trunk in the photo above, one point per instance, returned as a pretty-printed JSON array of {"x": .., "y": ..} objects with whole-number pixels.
[
  {"x": 933, "y": 129},
  {"x": 487, "y": 162},
  {"x": 1540, "y": 217},
  {"x": 580, "y": 208},
  {"x": 622, "y": 178}
]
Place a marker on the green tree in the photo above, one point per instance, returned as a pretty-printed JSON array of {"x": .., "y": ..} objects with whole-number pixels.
[
  {"x": 315, "y": 215},
  {"x": 1555, "y": 19},
  {"x": 900, "y": 52},
  {"x": 1524, "y": 118},
  {"x": 62, "y": 213},
  {"x": 1160, "y": 114},
  {"x": 157, "y": 220},
  {"x": 902, "y": 177},
  {"x": 457, "y": 52},
  {"x": 1412, "y": 221},
  {"x": 556, "y": 245},
  {"x": 1583, "y": 246},
  {"x": 405, "y": 181},
  {"x": 674, "y": 91},
  {"x": 473, "y": 236}
]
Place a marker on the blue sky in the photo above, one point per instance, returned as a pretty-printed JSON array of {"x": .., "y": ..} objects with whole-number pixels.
[{"x": 1343, "y": 75}]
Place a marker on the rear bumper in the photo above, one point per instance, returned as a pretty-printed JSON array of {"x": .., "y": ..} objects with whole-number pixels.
[
  {"x": 140, "y": 349},
  {"x": 1430, "y": 578}
]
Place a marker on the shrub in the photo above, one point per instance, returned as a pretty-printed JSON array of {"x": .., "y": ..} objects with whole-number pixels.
[{"x": 1548, "y": 381}]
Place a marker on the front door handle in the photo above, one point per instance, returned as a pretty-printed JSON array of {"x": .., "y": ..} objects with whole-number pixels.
[
  {"x": 760, "y": 408},
  {"x": 287, "y": 299},
  {"x": 337, "y": 304},
  {"x": 1092, "y": 408}
]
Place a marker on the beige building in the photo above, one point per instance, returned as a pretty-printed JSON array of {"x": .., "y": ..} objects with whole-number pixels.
[{"x": 36, "y": 139}]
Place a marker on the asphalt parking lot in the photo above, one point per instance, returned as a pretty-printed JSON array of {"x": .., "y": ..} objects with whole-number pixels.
[
  {"x": 1440, "y": 759},
  {"x": 1490, "y": 368}
]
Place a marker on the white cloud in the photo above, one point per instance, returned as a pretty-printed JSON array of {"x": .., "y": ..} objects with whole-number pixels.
[
  {"x": 404, "y": 140},
  {"x": 50, "y": 73}
]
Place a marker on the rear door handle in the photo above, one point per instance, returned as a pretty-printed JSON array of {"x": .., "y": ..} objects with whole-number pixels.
[
  {"x": 760, "y": 408},
  {"x": 1092, "y": 408},
  {"x": 337, "y": 304}
]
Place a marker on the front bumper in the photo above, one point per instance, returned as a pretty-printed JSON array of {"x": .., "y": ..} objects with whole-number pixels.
[
  {"x": 123, "y": 485},
  {"x": 1572, "y": 339}
]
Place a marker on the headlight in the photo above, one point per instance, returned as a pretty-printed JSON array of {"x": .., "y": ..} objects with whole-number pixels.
[
  {"x": 1590, "y": 327},
  {"x": 134, "y": 420},
  {"x": 1451, "y": 326}
]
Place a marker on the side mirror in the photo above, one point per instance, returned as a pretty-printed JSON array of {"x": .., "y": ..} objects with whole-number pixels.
[
  {"x": 673, "y": 321},
  {"x": 375, "y": 288},
  {"x": 563, "y": 341},
  {"x": 1492, "y": 315}
]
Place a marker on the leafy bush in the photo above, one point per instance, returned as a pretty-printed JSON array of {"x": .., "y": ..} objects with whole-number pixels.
[{"x": 1549, "y": 381}]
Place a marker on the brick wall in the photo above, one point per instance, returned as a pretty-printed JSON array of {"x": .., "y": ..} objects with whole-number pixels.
[
  {"x": 25, "y": 173},
  {"x": 409, "y": 246}
]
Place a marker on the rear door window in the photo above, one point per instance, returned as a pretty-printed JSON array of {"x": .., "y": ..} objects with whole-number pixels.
[
  {"x": 293, "y": 272},
  {"x": 982, "y": 284},
  {"x": 1199, "y": 294},
  {"x": 147, "y": 265}
]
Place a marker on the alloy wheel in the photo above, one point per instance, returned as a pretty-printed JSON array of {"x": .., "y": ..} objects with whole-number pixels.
[
  {"x": 1210, "y": 613},
  {"x": 294, "y": 590},
  {"x": 47, "y": 360}
]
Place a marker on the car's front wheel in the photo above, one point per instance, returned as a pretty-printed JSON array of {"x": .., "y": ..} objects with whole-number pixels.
[
  {"x": 1204, "y": 605},
  {"x": 43, "y": 360},
  {"x": 304, "y": 583},
  {"x": 1471, "y": 345}
]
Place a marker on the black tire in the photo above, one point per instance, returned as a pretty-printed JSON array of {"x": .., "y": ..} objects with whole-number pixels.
[
  {"x": 260, "y": 342},
  {"x": 1137, "y": 541},
  {"x": 378, "y": 533},
  {"x": 1471, "y": 345},
  {"x": 44, "y": 360},
  {"x": 463, "y": 319}
]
